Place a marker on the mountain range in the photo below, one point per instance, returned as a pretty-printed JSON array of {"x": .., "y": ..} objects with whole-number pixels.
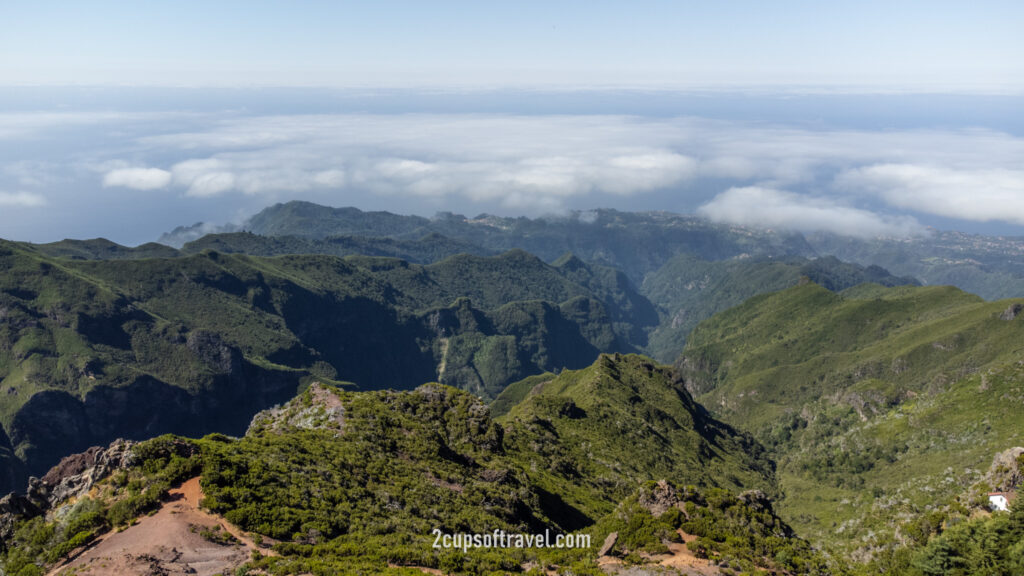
[{"x": 821, "y": 388}]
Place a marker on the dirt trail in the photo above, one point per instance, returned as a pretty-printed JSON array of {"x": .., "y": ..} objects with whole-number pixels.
[
  {"x": 679, "y": 558},
  {"x": 180, "y": 538}
]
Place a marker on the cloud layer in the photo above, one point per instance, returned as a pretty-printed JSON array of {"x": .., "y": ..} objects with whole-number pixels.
[
  {"x": 861, "y": 182},
  {"x": 768, "y": 208},
  {"x": 972, "y": 194},
  {"x": 523, "y": 162}
]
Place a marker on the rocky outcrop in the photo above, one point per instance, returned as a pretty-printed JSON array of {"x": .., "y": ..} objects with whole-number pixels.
[
  {"x": 1011, "y": 311},
  {"x": 210, "y": 349},
  {"x": 320, "y": 408},
  {"x": 13, "y": 508},
  {"x": 660, "y": 498},
  {"x": 73, "y": 477},
  {"x": 1006, "y": 472},
  {"x": 608, "y": 545},
  {"x": 756, "y": 500}
]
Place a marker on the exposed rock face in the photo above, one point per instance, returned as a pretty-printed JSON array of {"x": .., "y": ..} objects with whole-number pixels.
[
  {"x": 14, "y": 507},
  {"x": 74, "y": 476},
  {"x": 1012, "y": 311},
  {"x": 696, "y": 374},
  {"x": 211, "y": 350},
  {"x": 609, "y": 543},
  {"x": 1006, "y": 474},
  {"x": 54, "y": 423},
  {"x": 662, "y": 497},
  {"x": 323, "y": 411}
]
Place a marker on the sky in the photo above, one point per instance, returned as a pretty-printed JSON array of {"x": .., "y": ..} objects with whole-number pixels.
[
  {"x": 886, "y": 44},
  {"x": 126, "y": 119}
]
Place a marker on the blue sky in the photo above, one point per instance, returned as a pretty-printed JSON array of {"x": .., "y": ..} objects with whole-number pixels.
[
  {"x": 933, "y": 45},
  {"x": 126, "y": 119}
]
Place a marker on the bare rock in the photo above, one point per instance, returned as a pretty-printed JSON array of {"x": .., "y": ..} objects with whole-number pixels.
[
  {"x": 660, "y": 498},
  {"x": 322, "y": 409},
  {"x": 210, "y": 349},
  {"x": 13, "y": 508},
  {"x": 1012, "y": 311},
  {"x": 1006, "y": 474},
  {"x": 74, "y": 476},
  {"x": 756, "y": 499},
  {"x": 609, "y": 543}
]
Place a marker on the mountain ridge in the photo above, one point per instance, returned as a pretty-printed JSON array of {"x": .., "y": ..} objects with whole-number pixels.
[{"x": 337, "y": 479}]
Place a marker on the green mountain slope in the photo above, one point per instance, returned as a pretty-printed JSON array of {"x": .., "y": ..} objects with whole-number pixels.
[
  {"x": 990, "y": 266},
  {"x": 93, "y": 349},
  {"x": 621, "y": 421},
  {"x": 641, "y": 243},
  {"x": 425, "y": 250},
  {"x": 347, "y": 481},
  {"x": 879, "y": 403},
  {"x": 635, "y": 243},
  {"x": 103, "y": 249},
  {"x": 688, "y": 289}
]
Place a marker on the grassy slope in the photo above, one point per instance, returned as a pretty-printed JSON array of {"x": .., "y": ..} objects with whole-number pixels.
[
  {"x": 688, "y": 289},
  {"x": 990, "y": 266},
  {"x": 879, "y": 404},
  {"x": 623, "y": 420}
]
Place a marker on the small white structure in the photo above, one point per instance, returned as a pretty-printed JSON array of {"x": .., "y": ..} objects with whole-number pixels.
[{"x": 999, "y": 501}]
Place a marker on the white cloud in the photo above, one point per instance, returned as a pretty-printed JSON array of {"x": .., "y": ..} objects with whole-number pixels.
[
  {"x": 211, "y": 184},
  {"x": 137, "y": 178},
  {"x": 22, "y": 199},
  {"x": 768, "y": 208},
  {"x": 542, "y": 163},
  {"x": 969, "y": 194},
  {"x": 524, "y": 162}
]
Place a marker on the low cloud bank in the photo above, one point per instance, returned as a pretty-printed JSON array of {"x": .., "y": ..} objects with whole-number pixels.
[
  {"x": 981, "y": 195},
  {"x": 768, "y": 208},
  {"x": 864, "y": 182}
]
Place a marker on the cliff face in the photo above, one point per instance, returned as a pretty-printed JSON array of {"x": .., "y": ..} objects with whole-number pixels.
[{"x": 55, "y": 423}]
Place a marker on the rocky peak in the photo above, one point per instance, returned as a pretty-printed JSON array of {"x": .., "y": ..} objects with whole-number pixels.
[{"x": 319, "y": 407}]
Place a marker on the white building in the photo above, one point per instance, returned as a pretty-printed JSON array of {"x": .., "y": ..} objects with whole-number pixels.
[{"x": 999, "y": 501}]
